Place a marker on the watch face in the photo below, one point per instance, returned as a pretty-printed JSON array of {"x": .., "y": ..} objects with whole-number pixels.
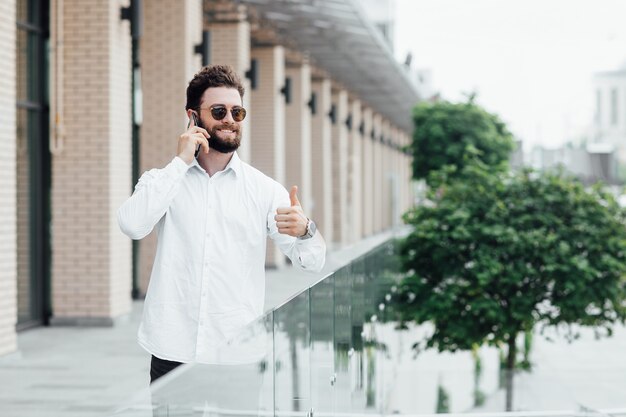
[{"x": 312, "y": 228}]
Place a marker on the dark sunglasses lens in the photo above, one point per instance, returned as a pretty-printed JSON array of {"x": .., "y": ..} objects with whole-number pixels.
[
  {"x": 218, "y": 113},
  {"x": 239, "y": 113}
]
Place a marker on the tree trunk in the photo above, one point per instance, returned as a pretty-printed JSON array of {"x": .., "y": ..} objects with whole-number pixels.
[{"x": 510, "y": 369}]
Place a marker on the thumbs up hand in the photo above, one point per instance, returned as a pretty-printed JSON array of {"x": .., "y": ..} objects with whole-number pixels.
[{"x": 291, "y": 220}]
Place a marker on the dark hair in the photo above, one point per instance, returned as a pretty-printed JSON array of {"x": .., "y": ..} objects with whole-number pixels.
[{"x": 211, "y": 76}]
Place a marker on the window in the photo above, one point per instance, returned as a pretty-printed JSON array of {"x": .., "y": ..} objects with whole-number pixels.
[{"x": 32, "y": 163}]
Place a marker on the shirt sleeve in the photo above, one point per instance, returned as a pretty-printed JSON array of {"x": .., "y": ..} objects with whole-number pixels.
[
  {"x": 153, "y": 194},
  {"x": 308, "y": 254}
]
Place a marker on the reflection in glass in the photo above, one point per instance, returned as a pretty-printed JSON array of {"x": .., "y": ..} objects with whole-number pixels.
[
  {"x": 292, "y": 355},
  {"x": 322, "y": 347},
  {"x": 335, "y": 349},
  {"x": 240, "y": 382}
]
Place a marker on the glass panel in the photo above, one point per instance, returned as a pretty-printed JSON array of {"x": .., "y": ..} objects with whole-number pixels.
[
  {"x": 34, "y": 12},
  {"x": 342, "y": 325},
  {"x": 29, "y": 12},
  {"x": 34, "y": 67},
  {"x": 32, "y": 164},
  {"x": 343, "y": 339},
  {"x": 322, "y": 345},
  {"x": 357, "y": 353},
  {"x": 239, "y": 383},
  {"x": 31, "y": 82},
  {"x": 292, "y": 356}
]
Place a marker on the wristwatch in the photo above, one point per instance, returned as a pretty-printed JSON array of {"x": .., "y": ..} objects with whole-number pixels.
[{"x": 310, "y": 230}]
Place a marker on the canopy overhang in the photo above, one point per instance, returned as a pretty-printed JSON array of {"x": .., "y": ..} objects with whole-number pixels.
[{"x": 341, "y": 40}]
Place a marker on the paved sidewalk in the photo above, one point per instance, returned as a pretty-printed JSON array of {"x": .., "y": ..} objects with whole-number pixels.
[{"x": 86, "y": 371}]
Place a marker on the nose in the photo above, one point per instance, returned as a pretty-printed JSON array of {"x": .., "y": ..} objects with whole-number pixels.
[{"x": 229, "y": 118}]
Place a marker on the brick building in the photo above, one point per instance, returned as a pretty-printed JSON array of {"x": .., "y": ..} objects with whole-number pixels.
[{"x": 92, "y": 94}]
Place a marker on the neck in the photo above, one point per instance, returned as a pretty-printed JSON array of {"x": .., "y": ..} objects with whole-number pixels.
[{"x": 214, "y": 161}]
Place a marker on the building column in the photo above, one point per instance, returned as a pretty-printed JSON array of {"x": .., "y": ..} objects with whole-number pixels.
[
  {"x": 230, "y": 45},
  {"x": 168, "y": 64},
  {"x": 8, "y": 179},
  {"x": 378, "y": 173},
  {"x": 298, "y": 134},
  {"x": 396, "y": 215},
  {"x": 367, "y": 173},
  {"x": 387, "y": 180},
  {"x": 355, "y": 177},
  {"x": 267, "y": 120},
  {"x": 408, "y": 173},
  {"x": 91, "y": 173},
  {"x": 321, "y": 151},
  {"x": 339, "y": 108}
]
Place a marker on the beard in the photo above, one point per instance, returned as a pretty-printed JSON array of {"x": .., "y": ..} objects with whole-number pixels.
[{"x": 221, "y": 144}]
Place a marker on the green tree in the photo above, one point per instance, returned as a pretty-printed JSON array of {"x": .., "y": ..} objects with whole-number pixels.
[
  {"x": 496, "y": 255},
  {"x": 445, "y": 132}
]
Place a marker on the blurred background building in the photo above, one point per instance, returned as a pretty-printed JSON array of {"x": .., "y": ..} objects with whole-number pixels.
[
  {"x": 609, "y": 124},
  {"x": 600, "y": 154},
  {"x": 92, "y": 94},
  {"x": 591, "y": 163}
]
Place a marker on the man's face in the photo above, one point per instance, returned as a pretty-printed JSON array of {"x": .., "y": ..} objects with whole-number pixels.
[{"x": 225, "y": 133}]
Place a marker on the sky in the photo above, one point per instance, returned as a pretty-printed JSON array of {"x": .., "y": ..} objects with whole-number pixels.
[{"x": 530, "y": 61}]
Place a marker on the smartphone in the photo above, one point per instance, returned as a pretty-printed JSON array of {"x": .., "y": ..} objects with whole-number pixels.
[{"x": 195, "y": 123}]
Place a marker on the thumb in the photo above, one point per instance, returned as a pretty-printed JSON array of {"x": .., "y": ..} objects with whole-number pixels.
[{"x": 293, "y": 197}]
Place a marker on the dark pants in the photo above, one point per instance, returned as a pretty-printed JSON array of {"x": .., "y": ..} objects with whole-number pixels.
[{"x": 160, "y": 367}]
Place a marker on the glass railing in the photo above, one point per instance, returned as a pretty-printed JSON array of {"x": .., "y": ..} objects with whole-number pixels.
[{"x": 332, "y": 351}]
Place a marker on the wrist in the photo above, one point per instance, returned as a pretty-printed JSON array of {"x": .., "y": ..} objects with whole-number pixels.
[
  {"x": 185, "y": 159},
  {"x": 309, "y": 231}
]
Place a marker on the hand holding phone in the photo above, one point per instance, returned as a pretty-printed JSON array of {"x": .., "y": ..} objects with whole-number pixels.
[
  {"x": 194, "y": 119},
  {"x": 190, "y": 142}
]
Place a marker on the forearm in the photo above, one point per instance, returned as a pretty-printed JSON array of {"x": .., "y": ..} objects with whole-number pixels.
[
  {"x": 153, "y": 195},
  {"x": 311, "y": 253}
]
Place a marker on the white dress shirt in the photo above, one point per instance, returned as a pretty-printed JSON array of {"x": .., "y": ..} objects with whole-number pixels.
[{"x": 208, "y": 277}]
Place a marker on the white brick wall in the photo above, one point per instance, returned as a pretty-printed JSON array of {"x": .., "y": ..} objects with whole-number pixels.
[
  {"x": 91, "y": 176},
  {"x": 267, "y": 123},
  {"x": 8, "y": 241},
  {"x": 230, "y": 45},
  {"x": 23, "y": 212},
  {"x": 120, "y": 159},
  {"x": 164, "y": 47}
]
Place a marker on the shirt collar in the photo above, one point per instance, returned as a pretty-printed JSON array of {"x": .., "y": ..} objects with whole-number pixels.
[{"x": 234, "y": 164}]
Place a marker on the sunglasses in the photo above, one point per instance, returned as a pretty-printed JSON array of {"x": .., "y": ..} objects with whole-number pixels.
[{"x": 219, "y": 111}]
